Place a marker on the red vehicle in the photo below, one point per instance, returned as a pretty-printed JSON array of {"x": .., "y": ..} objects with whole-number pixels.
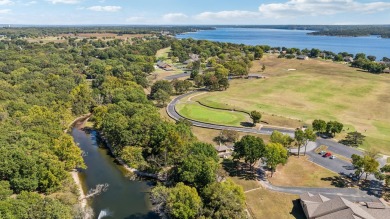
[{"x": 328, "y": 154}]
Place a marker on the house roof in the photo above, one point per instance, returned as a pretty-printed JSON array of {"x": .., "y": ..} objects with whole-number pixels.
[
  {"x": 221, "y": 148},
  {"x": 321, "y": 207}
]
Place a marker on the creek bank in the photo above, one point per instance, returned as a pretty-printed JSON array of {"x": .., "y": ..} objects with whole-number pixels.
[{"x": 159, "y": 177}]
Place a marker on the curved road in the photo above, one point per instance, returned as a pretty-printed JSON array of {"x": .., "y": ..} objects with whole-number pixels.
[
  {"x": 337, "y": 165},
  {"x": 266, "y": 130}
]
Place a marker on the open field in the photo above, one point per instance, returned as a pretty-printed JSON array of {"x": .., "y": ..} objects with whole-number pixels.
[
  {"x": 102, "y": 36},
  {"x": 263, "y": 203},
  {"x": 301, "y": 173},
  {"x": 208, "y": 135},
  {"x": 317, "y": 89},
  {"x": 160, "y": 74},
  {"x": 163, "y": 53}
]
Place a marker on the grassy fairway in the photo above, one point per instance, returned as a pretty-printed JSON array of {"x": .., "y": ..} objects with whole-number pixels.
[
  {"x": 316, "y": 89},
  {"x": 309, "y": 174},
  {"x": 200, "y": 113}
]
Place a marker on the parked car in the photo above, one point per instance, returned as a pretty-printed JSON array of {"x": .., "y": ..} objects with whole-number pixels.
[
  {"x": 332, "y": 157},
  {"x": 322, "y": 152},
  {"x": 328, "y": 154}
]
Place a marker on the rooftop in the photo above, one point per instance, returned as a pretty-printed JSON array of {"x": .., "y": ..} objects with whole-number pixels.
[{"x": 320, "y": 207}]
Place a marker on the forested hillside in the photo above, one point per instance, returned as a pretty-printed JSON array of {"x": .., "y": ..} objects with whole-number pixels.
[
  {"x": 43, "y": 88},
  {"x": 46, "y": 86}
]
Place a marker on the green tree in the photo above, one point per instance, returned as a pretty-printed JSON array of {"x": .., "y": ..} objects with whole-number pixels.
[
  {"x": 258, "y": 52},
  {"x": 275, "y": 154},
  {"x": 255, "y": 116},
  {"x": 133, "y": 157},
  {"x": 200, "y": 166},
  {"x": 364, "y": 164},
  {"x": 199, "y": 80},
  {"x": 319, "y": 125},
  {"x": 334, "y": 127},
  {"x": 223, "y": 200},
  {"x": 278, "y": 137},
  {"x": 250, "y": 148},
  {"x": 5, "y": 190},
  {"x": 166, "y": 86},
  {"x": 228, "y": 136},
  {"x": 161, "y": 97},
  {"x": 299, "y": 137},
  {"x": 82, "y": 99},
  {"x": 309, "y": 135},
  {"x": 354, "y": 139},
  {"x": 181, "y": 201},
  {"x": 68, "y": 152}
]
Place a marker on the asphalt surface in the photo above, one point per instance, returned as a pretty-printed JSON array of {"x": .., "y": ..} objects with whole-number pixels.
[
  {"x": 177, "y": 76},
  {"x": 267, "y": 130}
]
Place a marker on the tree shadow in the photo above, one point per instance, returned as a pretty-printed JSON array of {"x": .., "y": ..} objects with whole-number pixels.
[
  {"x": 336, "y": 181},
  {"x": 246, "y": 124},
  {"x": 297, "y": 210},
  {"x": 239, "y": 169}
]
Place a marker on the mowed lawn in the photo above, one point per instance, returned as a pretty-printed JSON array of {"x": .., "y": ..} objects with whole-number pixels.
[
  {"x": 317, "y": 89},
  {"x": 301, "y": 173},
  {"x": 198, "y": 112}
]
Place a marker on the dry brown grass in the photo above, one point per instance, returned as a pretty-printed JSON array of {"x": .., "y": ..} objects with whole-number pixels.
[
  {"x": 317, "y": 89},
  {"x": 102, "y": 36},
  {"x": 301, "y": 173},
  {"x": 207, "y": 135},
  {"x": 267, "y": 204}
]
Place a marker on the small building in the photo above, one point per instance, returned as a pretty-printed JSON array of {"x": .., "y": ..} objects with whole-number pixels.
[
  {"x": 303, "y": 57},
  {"x": 386, "y": 71},
  {"x": 254, "y": 76},
  {"x": 348, "y": 59},
  {"x": 192, "y": 58},
  {"x": 223, "y": 151},
  {"x": 164, "y": 66},
  {"x": 321, "y": 207}
]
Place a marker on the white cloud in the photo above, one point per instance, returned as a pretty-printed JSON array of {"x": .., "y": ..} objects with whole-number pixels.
[
  {"x": 105, "y": 8},
  {"x": 64, "y": 1},
  {"x": 228, "y": 17},
  {"x": 6, "y": 2},
  {"x": 319, "y": 7},
  {"x": 136, "y": 19},
  {"x": 175, "y": 17},
  {"x": 30, "y": 3},
  {"x": 5, "y": 11}
]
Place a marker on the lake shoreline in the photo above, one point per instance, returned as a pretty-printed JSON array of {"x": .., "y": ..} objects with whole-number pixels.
[{"x": 301, "y": 39}]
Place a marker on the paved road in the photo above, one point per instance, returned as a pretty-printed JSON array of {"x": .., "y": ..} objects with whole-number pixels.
[
  {"x": 336, "y": 165},
  {"x": 177, "y": 76},
  {"x": 267, "y": 130}
]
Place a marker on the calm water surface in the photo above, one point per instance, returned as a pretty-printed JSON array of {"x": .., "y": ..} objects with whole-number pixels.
[
  {"x": 370, "y": 45},
  {"x": 124, "y": 198}
]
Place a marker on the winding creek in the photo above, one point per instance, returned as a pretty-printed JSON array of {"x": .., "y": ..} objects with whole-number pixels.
[{"x": 124, "y": 198}]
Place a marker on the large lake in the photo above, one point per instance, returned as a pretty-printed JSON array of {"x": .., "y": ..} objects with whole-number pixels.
[{"x": 370, "y": 45}]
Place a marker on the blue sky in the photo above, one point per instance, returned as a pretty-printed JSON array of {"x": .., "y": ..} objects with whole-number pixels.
[{"x": 195, "y": 12}]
